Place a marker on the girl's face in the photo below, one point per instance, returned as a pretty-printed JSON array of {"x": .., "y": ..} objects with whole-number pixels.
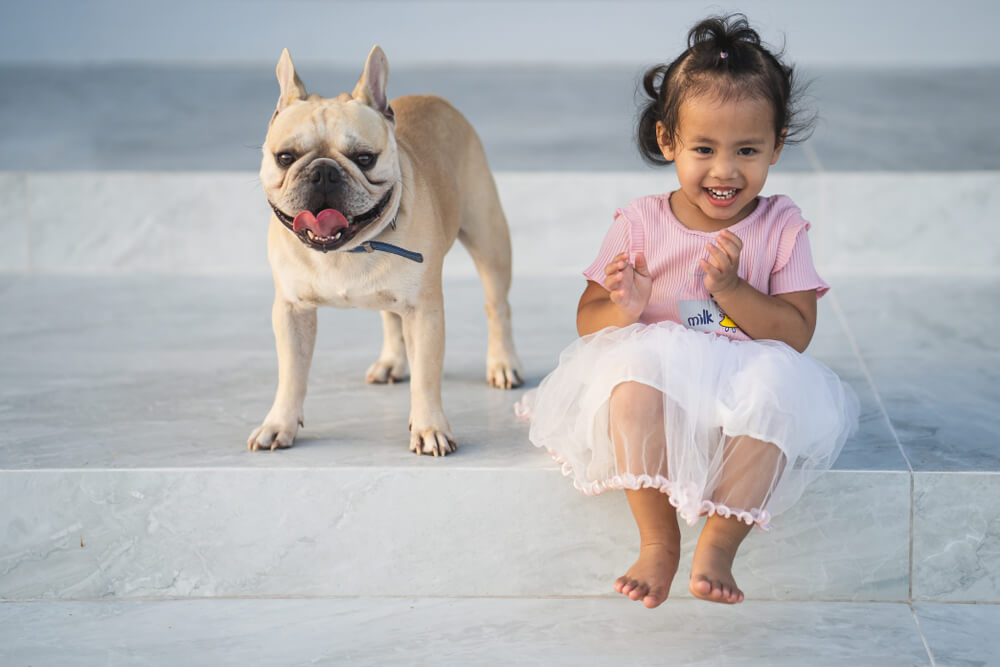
[{"x": 722, "y": 152}]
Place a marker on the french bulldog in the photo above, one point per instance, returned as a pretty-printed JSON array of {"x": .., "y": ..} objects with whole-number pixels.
[{"x": 367, "y": 196}]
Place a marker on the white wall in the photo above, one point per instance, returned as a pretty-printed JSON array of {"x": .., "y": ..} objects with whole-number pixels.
[{"x": 835, "y": 32}]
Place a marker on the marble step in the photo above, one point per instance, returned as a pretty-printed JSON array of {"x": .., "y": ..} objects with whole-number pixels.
[
  {"x": 214, "y": 223},
  {"x": 123, "y": 473},
  {"x": 495, "y": 631}
]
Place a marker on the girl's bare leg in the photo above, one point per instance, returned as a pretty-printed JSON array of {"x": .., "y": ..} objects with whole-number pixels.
[
  {"x": 747, "y": 480},
  {"x": 650, "y": 576},
  {"x": 636, "y": 417}
]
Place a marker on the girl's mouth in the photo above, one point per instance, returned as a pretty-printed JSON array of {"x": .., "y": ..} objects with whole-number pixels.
[{"x": 721, "y": 196}]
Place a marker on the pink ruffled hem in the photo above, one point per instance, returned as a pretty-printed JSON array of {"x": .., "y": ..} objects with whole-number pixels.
[{"x": 681, "y": 496}]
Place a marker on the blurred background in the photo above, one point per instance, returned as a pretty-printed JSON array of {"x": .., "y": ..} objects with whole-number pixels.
[{"x": 550, "y": 85}]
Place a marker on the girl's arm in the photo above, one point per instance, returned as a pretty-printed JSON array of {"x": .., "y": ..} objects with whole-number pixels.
[
  {"x": 790, "y": 318},
  {"x": 620, "y": 301}
]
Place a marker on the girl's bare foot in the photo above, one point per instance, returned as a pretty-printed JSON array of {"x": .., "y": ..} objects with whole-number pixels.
[
  {"x": 650, "y": 576},
  {"x": 712, "y": 565}
]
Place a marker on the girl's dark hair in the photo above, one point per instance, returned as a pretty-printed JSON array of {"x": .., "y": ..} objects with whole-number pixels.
[{"x": 724, "y": 57}]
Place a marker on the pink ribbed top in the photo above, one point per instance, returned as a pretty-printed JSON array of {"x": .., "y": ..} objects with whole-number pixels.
[{"x": 775, "y": 259}]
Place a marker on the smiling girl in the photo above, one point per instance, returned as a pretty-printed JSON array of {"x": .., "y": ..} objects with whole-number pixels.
[{"x": 689, "y": 388}]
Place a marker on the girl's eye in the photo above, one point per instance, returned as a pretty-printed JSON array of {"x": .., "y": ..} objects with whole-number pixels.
[
  {"x": 703, "y": 150},
  {"x": 747, "y": 151}
]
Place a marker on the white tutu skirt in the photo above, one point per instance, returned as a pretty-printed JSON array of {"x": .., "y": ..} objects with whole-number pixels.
[{"x": 735, "y": 428}]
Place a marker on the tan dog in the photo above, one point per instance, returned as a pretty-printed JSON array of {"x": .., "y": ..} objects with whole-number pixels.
[{"x": 367, "y": 199}]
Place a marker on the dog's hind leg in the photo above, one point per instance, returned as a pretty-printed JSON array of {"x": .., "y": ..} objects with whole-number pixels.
[
  {"x": 485, "y": 235},
  {"x": 391, "y": 365}
]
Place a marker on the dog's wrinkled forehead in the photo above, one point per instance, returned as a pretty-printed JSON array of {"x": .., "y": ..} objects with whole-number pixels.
[{"x": 328, "y": 125}]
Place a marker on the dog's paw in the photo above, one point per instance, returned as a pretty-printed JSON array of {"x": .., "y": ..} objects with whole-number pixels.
[
  {"x": 504, "y": 375},
  {"x": 387, "y": 372},
  {"x": 273, "y": 435},
  {"x": 431, "y": 441}
]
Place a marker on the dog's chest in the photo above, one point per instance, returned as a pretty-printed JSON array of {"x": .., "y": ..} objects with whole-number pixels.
[{"x": 375, "y": 288}]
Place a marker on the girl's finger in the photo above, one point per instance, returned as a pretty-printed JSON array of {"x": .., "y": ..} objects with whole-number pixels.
[
  {"x": 719, "y": 258},
  {"x": 729, "y": 247},
  {"x": 736, "y": 240}
]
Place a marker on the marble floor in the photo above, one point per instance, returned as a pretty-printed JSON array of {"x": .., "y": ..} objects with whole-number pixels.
[
  {"x": 138, "y": 529},
  {"x": 464, "y": 631}
]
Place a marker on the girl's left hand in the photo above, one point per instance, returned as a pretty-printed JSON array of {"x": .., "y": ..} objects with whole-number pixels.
[{"x": 723, "y": 261}]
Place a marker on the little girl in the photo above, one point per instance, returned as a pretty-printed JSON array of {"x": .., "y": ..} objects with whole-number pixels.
[{"x": 688, "y": 388}]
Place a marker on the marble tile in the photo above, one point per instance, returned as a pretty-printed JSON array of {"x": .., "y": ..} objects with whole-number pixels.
[
  {"x": 189, "y": 362},
  {"x": 917, "y": 223},
  {"x": 956, "y": 537},
  {"x": 960, "y": 635},
  {"x": 346, "y": 530},
  {"x": 926, "y": 343},
  {"x": 15, "y": 224},
  {"x": 453, "y": 631},
  {"x": 153, "y": 384},
  {"x": 130, "y": 222},
  {"x": 215, "y": 223}
]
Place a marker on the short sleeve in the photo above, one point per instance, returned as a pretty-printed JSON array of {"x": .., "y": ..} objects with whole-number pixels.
[
  {"x": 793, "y": 269},
  {"x": 617, "y": 241}
]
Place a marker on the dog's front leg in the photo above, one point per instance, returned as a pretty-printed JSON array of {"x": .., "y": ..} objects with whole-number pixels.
[
  {"x": 295, "y": 337},
  {"x": 423, "y": 332}
]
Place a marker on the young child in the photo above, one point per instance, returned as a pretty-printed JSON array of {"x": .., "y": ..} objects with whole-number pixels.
[{"x": 688, "y": 388}]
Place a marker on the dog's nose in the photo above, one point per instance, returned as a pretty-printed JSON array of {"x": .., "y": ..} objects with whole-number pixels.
[{"x": 325, "y": 175}]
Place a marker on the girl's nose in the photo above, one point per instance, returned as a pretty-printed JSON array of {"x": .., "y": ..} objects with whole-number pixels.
[{"x": 723, "y": 167}]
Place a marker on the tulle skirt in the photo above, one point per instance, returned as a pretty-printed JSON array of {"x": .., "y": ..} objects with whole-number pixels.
[{"x": 735, "y": 428}]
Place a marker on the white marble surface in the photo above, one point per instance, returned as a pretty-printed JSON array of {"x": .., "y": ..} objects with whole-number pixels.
[
  {"x": 215, "y": 222},
  {"x": 105, "y": 372},
  {"x": 151, "y": 384},
  {"x": 956, "y": 537},
  {"x": 961, "y": 635},
  {"x": 365, "y": 531},
  {"x": 450, "y": 631},
  {"x": 929, "y": 346}
]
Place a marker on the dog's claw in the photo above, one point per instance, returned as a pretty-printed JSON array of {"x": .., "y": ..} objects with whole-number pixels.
[
  {"x": 433, "y": 442},
  {"x": 504, "y": 376},
  {"x": 272, "y": 436}
]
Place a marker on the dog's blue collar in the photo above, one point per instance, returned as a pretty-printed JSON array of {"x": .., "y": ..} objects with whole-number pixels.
[{"x": 372, "y": 246}]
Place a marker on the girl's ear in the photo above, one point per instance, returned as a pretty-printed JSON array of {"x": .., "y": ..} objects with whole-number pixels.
[
  {"x": 778, "y": 145},
  {"x": 664, "y": 141}
]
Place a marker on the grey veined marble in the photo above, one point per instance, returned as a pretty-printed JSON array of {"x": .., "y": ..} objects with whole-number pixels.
[{"x": 451, "y": 631}]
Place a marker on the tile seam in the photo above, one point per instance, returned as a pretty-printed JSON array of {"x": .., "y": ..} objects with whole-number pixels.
[
  {"x": 856, "y": 349},
  {"x": 923, "y": 637}
]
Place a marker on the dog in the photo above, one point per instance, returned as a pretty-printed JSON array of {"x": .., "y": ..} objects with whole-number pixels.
[{"x": 367, "y": 196}]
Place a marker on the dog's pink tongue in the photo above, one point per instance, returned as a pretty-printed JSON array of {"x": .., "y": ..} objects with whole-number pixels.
[{"x": 325, "y": 224}]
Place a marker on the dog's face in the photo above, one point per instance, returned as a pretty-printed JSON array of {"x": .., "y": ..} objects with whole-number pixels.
[{"x": 330, "y": 168}]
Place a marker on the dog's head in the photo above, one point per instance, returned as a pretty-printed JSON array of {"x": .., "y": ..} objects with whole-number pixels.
[{"x": 330, "y": 168}]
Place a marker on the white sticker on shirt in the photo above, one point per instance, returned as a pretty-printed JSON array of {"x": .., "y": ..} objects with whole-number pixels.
[{"x": 700, "y": 313}]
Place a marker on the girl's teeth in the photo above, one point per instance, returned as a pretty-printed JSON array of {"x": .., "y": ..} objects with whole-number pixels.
[{"x": 722, "y": 194}]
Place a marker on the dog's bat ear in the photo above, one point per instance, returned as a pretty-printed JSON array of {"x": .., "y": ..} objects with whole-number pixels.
[
  {"x": 290, "y": 83},
  {"x": 371, "y": 85}
]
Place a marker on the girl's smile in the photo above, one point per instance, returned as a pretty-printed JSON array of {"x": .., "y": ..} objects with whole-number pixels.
[{"x": 722, "y": 151}]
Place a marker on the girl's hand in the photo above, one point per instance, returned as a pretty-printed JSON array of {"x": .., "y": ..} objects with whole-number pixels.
[
  {"x": 723, "y": 261},
  {"x": 629, "y": 286}
]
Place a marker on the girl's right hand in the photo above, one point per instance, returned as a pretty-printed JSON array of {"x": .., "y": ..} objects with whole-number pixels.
[{"x": 628, "y": 286}]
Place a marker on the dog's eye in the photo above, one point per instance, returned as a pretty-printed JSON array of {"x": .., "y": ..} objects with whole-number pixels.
[
  {"x": 285, "y": 159},
  {"x": 365, "y": 160}
]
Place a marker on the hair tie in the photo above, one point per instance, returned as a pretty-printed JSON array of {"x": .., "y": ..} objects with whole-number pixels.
[{"x": 723, "y": 54}]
